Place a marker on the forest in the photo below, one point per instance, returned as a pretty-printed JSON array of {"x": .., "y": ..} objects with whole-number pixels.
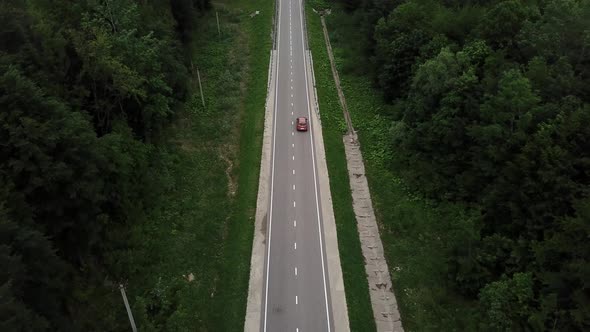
[
  {"x": 86, "y": 90},
  {"x": 489, "y": 107}
]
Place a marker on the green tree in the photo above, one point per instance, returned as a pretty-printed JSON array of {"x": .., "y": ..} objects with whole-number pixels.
[
  {"x": 443, "y": 103},
  {"x": 563, "y": 261},
  {"x": 502, "y": 23},
  {"x": 507, "y": 303},
  {"x": 85, "y": 87},
  {"x": 184, "y": 14},
  {"x": 48, "y": 152},
  {"x": 562, "y": 34},
  {"x": 124, "y": 69},
  {"x": 31, "y": 281},
  {"x": 493, "y": 101},
  {"x": 399, "y": 39},
  {"x": 553, "y": 81},
  {"x": 504, "y": 122}
]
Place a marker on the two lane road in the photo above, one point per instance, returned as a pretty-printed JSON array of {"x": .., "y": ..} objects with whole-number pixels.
[{"x": 296, "y": 290}]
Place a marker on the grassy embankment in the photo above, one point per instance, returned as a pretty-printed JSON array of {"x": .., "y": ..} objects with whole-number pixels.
[
  {"x": 333, "y": 126},
  {"x": 415, "y": 232},
  {"x": 203, "y": 223}
]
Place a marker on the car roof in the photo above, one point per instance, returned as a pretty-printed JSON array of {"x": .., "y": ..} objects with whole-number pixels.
[{"x": 302, "y": 119}]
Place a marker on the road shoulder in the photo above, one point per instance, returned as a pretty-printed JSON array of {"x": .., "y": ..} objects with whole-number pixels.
[
  {"x": 254, "y": 306},
  {"x": 336, "y": 282}
]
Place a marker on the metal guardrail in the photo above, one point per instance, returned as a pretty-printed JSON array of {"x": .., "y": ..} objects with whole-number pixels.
[{"x": 315, "y": 91}]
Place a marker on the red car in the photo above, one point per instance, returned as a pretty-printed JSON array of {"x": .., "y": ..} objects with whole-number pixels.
[{"x": 302, "y": 124}]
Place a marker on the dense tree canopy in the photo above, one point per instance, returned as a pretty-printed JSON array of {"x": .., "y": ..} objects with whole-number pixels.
[
  {"x": 85, "y": 88},
  {"x": 494, "y": 111}
]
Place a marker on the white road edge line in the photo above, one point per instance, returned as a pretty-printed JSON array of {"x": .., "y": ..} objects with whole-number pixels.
[
  {"x": 315, "y": 181},
  {"x": 272, "y": 177}
]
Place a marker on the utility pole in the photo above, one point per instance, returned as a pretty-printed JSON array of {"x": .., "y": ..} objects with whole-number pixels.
[
  {"x": 218, "y": 29},
  {"x": 200, "y": 87},
  {"x": 131, "y": 320}
]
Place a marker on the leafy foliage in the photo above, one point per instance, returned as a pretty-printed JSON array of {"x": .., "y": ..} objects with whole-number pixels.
[
  {"x": 489, "y": 107},
  {"x": 86, "y": 87}
]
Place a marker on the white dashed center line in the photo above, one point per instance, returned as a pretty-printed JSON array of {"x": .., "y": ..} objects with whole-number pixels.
[
  {"x": 296, "y": 299},
  {"x": 293, "y": 187},
  {"x": 294, "y": 204},
  {"x": 295, "y": 270},
  {"x": 293, "y": 172},
  {"x": 294, "y": 223},
  {"x": 295, "y": 245}
]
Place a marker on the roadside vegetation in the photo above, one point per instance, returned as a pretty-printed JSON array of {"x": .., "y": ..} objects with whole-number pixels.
[
  {"x": 473, "y": 119},
  {"x": 360, "y": 312},
  {"x": 204, "y": 224},
  {"x": 113, "y": 172}
]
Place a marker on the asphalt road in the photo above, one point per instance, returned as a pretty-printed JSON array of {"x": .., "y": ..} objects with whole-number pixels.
[{"x": 296, "y": 282}]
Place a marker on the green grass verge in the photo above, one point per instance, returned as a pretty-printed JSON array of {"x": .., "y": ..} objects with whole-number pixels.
[
  {"x": 230, "y": 307},
  {"x": 417, "y": 234},
  {"x": 333, "y": 126},
  {"x": 203, "y": 222}
]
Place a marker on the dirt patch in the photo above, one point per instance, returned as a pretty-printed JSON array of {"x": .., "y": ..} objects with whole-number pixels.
[
  {"x": 186, "y": 145},
  {"x": 264, "y": 226},
  {"x": 232, "y": 183}
]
